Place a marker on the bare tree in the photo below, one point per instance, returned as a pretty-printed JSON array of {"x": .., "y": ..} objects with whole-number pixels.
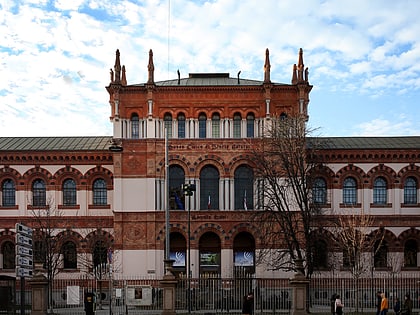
[
  {"x": 284, "y": 160},
  {"x": 47, "y": 246},
  {"x": 353, "y": 233}
]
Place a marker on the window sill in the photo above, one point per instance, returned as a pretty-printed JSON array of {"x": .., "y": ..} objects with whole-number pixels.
[
  {"x": 9, "y": 207},
  {"x": 377, "y": 205},
  {"x": 99, "y": 207},
  {"x": 354, "y": 205},
  {"x": 76, "y": 207},
  {"x": 410, "y": 205}
]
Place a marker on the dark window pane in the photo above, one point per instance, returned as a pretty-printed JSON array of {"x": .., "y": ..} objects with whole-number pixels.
[
  {"x": 69, "y": 192},
  {"x": 250, "y": 121},
  {"x": 38, "y": 193},
  {"x": 410, "y": 191},
  {"x": 8, "y": 193},
  {"x": 202, "y": 119},
  {"x": 135, "y": 126},
  {"x": 244, "y": 188},
  {"x": 69, "y": 252},
  {"x": 8, "y": 251},
  {"x": 379, "y": 191},
  {"x": 181, "y": 126},
  {"x": 209, "y": 188},
  {"x": 99, "y": 192},
  {"x": 349, "y": 191},
  {"x": 176, "y": 180}
]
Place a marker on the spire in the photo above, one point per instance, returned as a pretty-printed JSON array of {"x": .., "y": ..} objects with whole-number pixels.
[
  {"x": 300, "y": 66},
  {"x": 151, "y": 68},
  {"x": 267, "y": 67},
  {"x": 300, "y": 74},
  {"x": 123, "y": 77},
  {"x": 117, "y": 67}
]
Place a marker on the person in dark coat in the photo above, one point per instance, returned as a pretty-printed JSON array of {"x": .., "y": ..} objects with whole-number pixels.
[
  {"x": 407, "y": 307},
  {"x": 378, "y": 302},
  {"x": 248, "y": 304},
  {"x": 333, "y": 297}
]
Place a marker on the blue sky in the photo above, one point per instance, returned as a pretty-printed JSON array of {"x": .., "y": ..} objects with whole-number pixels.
[{"x": 363, "y": 57}]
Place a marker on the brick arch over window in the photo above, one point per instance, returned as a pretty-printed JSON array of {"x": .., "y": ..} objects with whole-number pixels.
[
  {"x": 325, "y": 173},
  {"x": 239, "y": 160},
  {"x": 161, "y": 235},
  {"x": 243, "y": 227},
  {"x": 7, "y": 235},
  {"x": 381, "y": 171},
  {"x": 68, "y": 172},
  {"x": 99, "y": 235},
  {"x": 210, "y": 227},
  {"x": 70, "y": 235},
  {"x": 324, "y": 235},
  {"x": 389, "y": 237},
  {"x": 411, "y": 170},
  {"x": 175, "y": 159},
  {"x": 209, "y": 160},
  {"x": 8, "y": 172},
  {"x": 38, "y": 172},
  {"x": 411, "y": 233},
  {"x": 350, "y": 171},
  {"x": 99, "y": 172}
]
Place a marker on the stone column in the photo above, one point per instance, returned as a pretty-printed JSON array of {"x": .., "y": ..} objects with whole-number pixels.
[
  {"x": 299, "y": 284},
  {"x": 168, "y": 284},
  {"x": 39, "y": 286}
]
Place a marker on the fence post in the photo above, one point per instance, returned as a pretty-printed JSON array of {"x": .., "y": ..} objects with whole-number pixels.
[
  {"x": 39, "y": 285},
  {"x": 299, "y": 284},
  {"x": 168, "y": 284}
]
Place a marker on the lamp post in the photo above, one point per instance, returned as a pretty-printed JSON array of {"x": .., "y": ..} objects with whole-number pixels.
[{"x": 188, "y": 191}]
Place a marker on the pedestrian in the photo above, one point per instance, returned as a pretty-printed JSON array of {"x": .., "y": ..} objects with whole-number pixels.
[
  {"x": 333, "y": 297},
  {"x": 384, "y": 304},
  {"x": 378, "y": 302},
  {"x": 407, "y": 307},
  {"x": 338, "y": 305},
  {"x": 248, "y": 304},
  {"x": 397, "y": 306}
]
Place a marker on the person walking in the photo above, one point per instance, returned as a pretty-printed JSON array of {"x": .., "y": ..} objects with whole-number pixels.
[
  {"x": 333, "y": 297},
  {"x": 338, "y": 305},
  {"x": 248, "y": 304},
  {"x": 384, "y": 304},
  {"x": 397, "y": 306},
  {"x": 378, "y": 302},
  {"x": 407, "y": 307}
]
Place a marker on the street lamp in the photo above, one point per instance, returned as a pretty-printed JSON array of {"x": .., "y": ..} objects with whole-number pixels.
[{"x": 188, "y": 191}]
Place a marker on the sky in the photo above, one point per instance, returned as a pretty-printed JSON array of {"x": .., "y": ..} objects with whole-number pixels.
[{"x": 363, "y": 57}]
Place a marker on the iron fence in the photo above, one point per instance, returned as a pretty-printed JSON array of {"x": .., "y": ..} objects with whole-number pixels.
[{"x": 217, "y": 295}]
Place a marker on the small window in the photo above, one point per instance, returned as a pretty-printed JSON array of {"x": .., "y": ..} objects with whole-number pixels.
[
  {"x": 410, "y": 191},
  {"x": 8, "y": 193},
  {"x": 349, "y": 191},
  {"x": 379, "y": 191},
  {"x": 215, "y": 126},
  {"x": 237, "y": 125},
  {"x": 168, "y": 124},
  {"x": 99, "y": 192},
  {"x": 69, "y": 192},
  {"x": 181, "y": 126},
  {"x": 8, "y": 252},
  {"x": 135, "y": 126},
  {"x": 410, "y": 253},
  {"x": 320, "y": 191},
  {"x": 69, "y": 252},
  {"x": 250, "y": 122},
  {"x": 39, "y": 193},
  {"x": 202, "y": 119}
]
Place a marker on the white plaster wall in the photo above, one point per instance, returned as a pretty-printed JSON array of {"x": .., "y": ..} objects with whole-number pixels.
[{"x": 134, "y": 194}]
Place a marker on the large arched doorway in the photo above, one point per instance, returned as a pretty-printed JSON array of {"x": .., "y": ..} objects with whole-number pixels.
[
  {"x": 244, "y": 254},
  {"x": 178, "y": 252}
]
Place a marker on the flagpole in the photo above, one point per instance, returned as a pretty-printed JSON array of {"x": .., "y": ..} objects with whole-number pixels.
[{"x": 166, "y": 196}]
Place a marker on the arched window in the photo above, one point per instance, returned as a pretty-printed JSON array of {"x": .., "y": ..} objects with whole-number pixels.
[
  {"x": 99, "y": 192},
  {"x": 209, "y": 188},
  {"x": 135, "y": 130},
  {"x": 168, "y": 124},
  {"x": 8, "y": 193},
  {"x": 210, "y": 252},
  {"x": 38, "y": 193},
  {"x": 410, "y": 191},
  {"x": 380, "y": 257},
  {"x": 99, "y": 254},
  {"x": 244, "y": 188},
  {"x": 8, "y": 251},
  {"x": 69, "y": 192},
  {"x": 379, "y": 191},
  {"x": 320, "y": 254},
  {"x": 410, "y": 253},
  {"x": 250, "y": 122},
  {"x": 202, "y": 119},
  {"x": 237, "y": 125},
  {"x": 349, "y": 191},
  {"x": 215, "y": 126},
  {"x": 283, "y": 116},
  {"x": 181, "y": 126},
  {"x": 319, "y": 191},
  {"x": 69, "y": 252},
  {"x": 176, "y": 180}
]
